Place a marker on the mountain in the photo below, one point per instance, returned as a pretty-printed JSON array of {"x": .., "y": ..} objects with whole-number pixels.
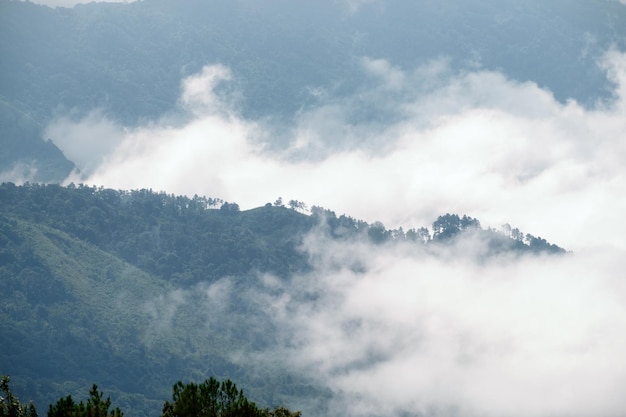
[
  {"x": 127, "y": 60},
  {"x": 421, "y": 114},
  {"x": 135, "y": 290}
]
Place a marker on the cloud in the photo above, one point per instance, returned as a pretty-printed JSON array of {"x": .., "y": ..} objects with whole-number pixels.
[
  {"x": 394, "y": 330},
  {"x": 86, "y": 141},
  {"x": 19, "y": 173},
  {"x": 198, "y": 91},
  {"x": 169, "y": 315},
  {"x": 475, "y": 143},
  {"x": 407, "y": 332}
]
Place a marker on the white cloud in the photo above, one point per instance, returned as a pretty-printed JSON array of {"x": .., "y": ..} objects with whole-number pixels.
[
  {"x": 477, "y": 144},
  {"x": 19, "y": 173},
  {"x": 447, "y": 336},
  {"x": 426, "y": 335},
  {"x": 86, "y": 141},
  {"x": 198, "y": 91}
]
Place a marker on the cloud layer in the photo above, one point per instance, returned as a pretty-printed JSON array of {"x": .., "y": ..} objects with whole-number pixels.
[
  {"x": 391, "y": 330},
  {"x": 411, "y": 146},
  {"x": 424, "y": 335}
]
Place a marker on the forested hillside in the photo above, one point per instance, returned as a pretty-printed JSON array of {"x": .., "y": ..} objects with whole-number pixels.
[
  {"x": 136, "y": 289},
  {"x": 144, "y": 149}
]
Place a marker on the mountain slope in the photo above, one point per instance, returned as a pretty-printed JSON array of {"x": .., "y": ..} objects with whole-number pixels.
[
  {"x": 73, "y": 314},
  {"x": 135, "y": 290},
  {"x": 127, "y": 60}
]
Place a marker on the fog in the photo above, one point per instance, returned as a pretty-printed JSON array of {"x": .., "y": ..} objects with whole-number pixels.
[
  {"x": 392, "y": 330},
  {"x": 471, "y": 143},
  {"x": 446, "y": 335}
]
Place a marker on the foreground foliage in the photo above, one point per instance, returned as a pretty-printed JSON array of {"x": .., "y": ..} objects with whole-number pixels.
[
  {"x": 210, "y": 398},
  {"x": 214, "y": 399},
  {"x": 96, "y": 406},
  {"x": 10, "y": 405}
]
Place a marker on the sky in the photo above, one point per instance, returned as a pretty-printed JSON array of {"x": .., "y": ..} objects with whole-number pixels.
[
  {"x": 72, "y": 3},
  {"x": 405, "y": 332},
  {"x": 352, "y": 4}
]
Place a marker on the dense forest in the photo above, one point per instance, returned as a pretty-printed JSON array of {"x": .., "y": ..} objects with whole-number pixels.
[
  {"x": 412, "y": 130},
  {"x": 188, "y": 240},
  {"x": 102, "y": 284}
]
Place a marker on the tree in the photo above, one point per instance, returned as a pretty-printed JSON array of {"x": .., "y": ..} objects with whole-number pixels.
[
  {"x": 378, "y": 233},
  {"x": 448, "y": 226},
  {"x": 283, "y": 412},
  {"x": 96, "y": 406},
  {"x": 421, "y": 235},
  {"x": 230, "y": 207},
  {"x": 10, "y": 405},
  {"x": 214, "y": 399},
  {"x": 297, "y": 205},
  {"x": 538, "y": 244},
  {"x": 209, "y": 399}
]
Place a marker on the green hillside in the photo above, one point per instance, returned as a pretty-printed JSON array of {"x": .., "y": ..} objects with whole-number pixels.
[
  {"x": 134, "y": 290},
  {"x": 74, "y": 312}
]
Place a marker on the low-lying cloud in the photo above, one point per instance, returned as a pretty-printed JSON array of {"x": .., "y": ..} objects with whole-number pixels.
[
  {"x": 409, "y": 333},
  {"x": 474, "y": 143},
  {"x": 393, "y": 330}
]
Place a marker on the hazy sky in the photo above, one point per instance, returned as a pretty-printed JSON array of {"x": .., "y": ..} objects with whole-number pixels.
[
  {"x": 71, "y": 3},
  {"x": 352, "y": 4},
  {"x": 444, "y": 335}
]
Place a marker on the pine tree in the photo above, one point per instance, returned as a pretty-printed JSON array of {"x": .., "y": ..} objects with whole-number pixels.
[
  {"x": 96, "y": 406},
  {"x": 10, "y": 405},
  {"x": 214, "y": 399}
]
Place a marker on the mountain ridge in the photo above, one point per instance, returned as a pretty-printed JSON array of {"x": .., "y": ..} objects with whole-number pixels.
[
  {"x": 105, "y": 286},
  {"x": 108, "y": 57}
]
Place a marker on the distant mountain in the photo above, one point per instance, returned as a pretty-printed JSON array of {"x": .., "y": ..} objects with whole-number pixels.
[
  {"x": 128, "y": 59},
  {"x": 135, "y": 290},
  {"x": 25, "y": 156}
]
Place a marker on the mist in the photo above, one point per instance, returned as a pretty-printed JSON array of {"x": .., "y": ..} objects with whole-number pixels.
[
  {"x": 471, "y": 143},
  {"x": 410, "y": 333},
  {"x": 394, "y": 329}
]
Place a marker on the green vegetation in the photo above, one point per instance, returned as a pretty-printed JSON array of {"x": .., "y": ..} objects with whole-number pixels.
[
  {"x": 137, "y": 288},
  {"x": 208, "y": 399},
  {"x": 96, "y": 406},
  {"x": 10, "y": 405},
  {"x": 214, "y": 399}
]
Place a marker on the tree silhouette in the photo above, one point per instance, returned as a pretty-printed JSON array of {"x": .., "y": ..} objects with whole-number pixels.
[
  {"x": 96, "y": 406},
  {"x": 214, "y": 399},
  {"x": 10, "y": 405}
]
